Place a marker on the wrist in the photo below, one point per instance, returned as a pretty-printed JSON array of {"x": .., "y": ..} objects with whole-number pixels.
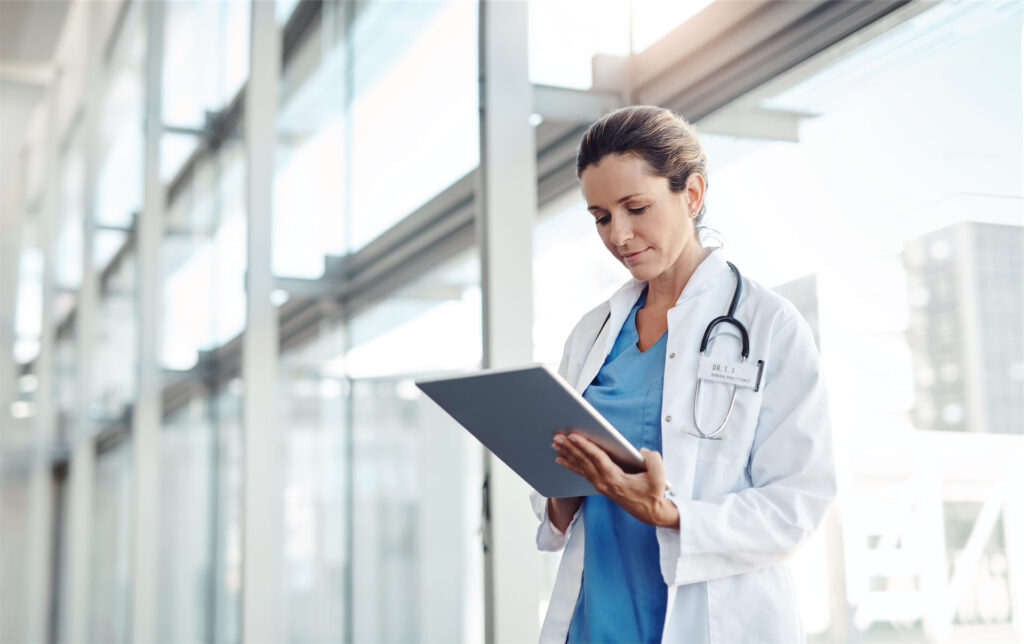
[{"x": 666, "y": 514}]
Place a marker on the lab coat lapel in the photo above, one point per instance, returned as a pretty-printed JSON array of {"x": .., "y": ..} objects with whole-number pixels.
[
  {"x": 680, "y": 446},
  {"x": 620, "y": 304}
]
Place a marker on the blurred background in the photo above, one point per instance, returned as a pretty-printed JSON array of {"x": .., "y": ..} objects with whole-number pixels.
[{"x": 232, "y": 234}]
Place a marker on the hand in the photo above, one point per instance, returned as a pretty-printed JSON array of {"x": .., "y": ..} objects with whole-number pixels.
[{"x": 642, "y": 494}]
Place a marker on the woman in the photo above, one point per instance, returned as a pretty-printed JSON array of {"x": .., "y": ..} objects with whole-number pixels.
[{"x": 693, "y": 549}]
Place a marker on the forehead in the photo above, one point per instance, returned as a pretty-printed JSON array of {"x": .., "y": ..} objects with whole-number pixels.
[{"x": 616, "y": 176}]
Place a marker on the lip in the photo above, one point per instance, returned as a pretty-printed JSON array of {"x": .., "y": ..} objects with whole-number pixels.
[{"x": 631, "y": 258}]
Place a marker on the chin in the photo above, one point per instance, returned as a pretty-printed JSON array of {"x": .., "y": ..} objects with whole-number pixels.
[{"x": 642, "y": 273}]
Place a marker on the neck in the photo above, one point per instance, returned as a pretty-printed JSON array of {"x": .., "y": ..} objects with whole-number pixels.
[{"x": 664, "y": 290}]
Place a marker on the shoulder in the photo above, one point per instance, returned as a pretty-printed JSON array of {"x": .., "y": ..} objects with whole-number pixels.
[{"x": 777, "y": 314}]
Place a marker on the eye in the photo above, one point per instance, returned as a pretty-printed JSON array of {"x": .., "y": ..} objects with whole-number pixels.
[
  {"x": 603, "y": 220},
  {"x": 637, "y": 211}
]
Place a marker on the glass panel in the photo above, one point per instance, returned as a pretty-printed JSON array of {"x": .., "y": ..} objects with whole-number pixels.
[
  {"x": 114, "y": 368},
  {"x": 416, "y": 473},
  {"x": 312, "y": 413},
  {"x": 420, "y": 54},
  {"x": 119, "y": 180},
  {"x": 200, "y": 523},
  {"x": 206, "y": 61},
  {"x": 309, "y": 186},
  {"x": 389, "y": 338},
  {"x": 205, "y": 260},
  {"x": 110, "y": 568},
  {"x": 188, "y": 464},
  {"x": 227, "y": 592}
]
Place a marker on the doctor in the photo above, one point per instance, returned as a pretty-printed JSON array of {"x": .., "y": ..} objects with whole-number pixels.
[{"x": 693, "y": 549}]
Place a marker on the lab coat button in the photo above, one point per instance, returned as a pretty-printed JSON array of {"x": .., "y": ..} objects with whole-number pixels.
[
  {"x": 668, "y": 419},
  {"x": 672, "y": 355}
]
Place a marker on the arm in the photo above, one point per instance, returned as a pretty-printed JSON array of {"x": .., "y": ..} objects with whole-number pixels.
[{"x": 791, "y": 471}]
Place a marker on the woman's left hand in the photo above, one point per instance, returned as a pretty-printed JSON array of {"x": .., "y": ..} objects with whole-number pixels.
[{"x": 642, "y": 494}]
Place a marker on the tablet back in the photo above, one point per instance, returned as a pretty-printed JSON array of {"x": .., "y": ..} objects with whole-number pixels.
[{"x": 515, "y": 414}]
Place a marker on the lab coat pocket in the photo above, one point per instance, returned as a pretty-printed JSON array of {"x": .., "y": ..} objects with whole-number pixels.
[{"x": 737, "y": 437}]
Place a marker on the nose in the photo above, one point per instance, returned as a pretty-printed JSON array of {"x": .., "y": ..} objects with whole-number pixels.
[{"x": 620, "y": 230}]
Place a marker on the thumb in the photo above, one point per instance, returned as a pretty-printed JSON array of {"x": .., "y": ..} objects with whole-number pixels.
[{"x": 655, "y": 467}]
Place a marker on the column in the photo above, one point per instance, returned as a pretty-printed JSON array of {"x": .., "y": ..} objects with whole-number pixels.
[
  {"x": 40, "y": 518},
  {"x": 81, "y": 440},
  {"x": 261, "y": 531},
  {"x": 506, "y": 209},
  {"x": 147, "y": 412}
]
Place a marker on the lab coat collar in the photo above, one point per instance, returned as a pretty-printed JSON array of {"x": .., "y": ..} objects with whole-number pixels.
[{"x": 621, "y": 303}]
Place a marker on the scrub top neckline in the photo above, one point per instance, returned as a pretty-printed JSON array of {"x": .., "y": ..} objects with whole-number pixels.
[{"x": 636, "y": 332}]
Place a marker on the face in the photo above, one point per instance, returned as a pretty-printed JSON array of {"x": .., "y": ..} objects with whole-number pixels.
[{"x": 643, "y": 224}]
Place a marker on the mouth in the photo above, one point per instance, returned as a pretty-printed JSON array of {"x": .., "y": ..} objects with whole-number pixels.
[{"x": 631, "y": 258}]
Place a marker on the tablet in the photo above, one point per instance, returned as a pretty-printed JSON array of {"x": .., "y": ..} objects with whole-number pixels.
[{"x": 515, "y": 414}]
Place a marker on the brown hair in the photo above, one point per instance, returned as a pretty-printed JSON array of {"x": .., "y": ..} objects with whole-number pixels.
[{"x": 668, "y": 144}]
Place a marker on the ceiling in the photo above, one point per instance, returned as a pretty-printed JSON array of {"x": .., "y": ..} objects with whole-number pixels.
[{"x": 29, "y": 32}]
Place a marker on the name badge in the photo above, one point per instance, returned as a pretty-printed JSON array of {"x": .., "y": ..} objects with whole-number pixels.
[{"x": 731, "y": 373}]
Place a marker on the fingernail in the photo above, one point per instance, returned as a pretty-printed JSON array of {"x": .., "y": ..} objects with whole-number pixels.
[
  {"x": 574, "y": 438},
  {"x": 558, "y": 439}
]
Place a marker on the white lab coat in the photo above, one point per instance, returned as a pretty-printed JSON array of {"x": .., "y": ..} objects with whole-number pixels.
[{"x": 746, "y": 502}]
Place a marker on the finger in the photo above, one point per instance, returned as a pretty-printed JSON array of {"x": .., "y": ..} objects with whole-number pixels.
[
  {"x": 581, "y": 460},
  {"x": 569, "y": 465},
  {"x": 596, "y": 455}
]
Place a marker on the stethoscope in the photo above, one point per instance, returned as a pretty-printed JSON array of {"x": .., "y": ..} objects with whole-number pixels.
[{"x": 728, "y": 318}]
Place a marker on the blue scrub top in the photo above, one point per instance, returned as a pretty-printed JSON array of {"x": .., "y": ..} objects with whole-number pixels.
[{"x": 623, "y": 595}]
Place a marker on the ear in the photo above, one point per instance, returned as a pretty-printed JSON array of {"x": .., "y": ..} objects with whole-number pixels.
[{"x": 693, "y": 194}]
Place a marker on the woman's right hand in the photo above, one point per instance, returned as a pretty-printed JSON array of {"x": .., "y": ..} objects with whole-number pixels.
[{"x": 561, "y": 511}]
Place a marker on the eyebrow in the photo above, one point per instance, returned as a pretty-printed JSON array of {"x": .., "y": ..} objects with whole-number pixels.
[{"x": 621, "y": 199}]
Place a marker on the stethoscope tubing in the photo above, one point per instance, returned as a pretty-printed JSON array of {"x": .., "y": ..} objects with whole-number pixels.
[{"x": 729, "y": 318}]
